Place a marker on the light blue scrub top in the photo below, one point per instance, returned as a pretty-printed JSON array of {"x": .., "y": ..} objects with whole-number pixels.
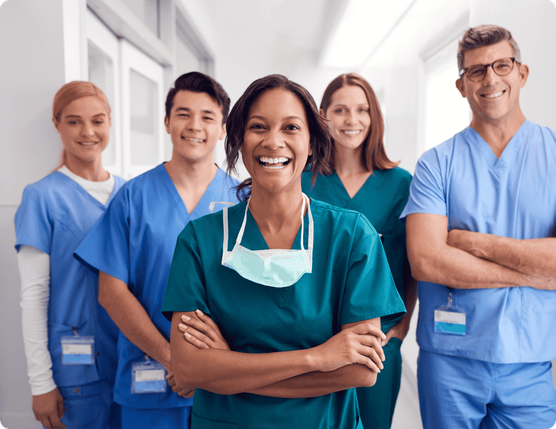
[
  {"x": 350, "y": 282},
  {"x": 514, "y": 196},
  {"x": 134, "y": 242},
  {"x": 54, "y": 216}
]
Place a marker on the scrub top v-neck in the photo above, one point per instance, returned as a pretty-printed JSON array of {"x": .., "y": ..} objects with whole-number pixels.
[
  {"x": 134, "y": 242},
  {"x": 350, "y": 282}
]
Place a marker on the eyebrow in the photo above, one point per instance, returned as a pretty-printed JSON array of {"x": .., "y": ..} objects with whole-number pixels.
[
  {"x": 284, "y": 119},
  {"x": 77, "y": 116},
  {"x": 187, "y": 109}
]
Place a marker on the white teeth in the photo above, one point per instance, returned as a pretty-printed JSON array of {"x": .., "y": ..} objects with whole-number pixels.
[
  {"x": 87, "y": 143},
  {"x": 498, "y": 94},
  {"x": 194, "y": 140},
  {"x": 351, "y": 133},
  {"x": 272, "y": 160}
]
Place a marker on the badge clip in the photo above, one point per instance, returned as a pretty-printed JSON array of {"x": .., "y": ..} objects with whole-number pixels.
[{"x": 449, "y": 319}]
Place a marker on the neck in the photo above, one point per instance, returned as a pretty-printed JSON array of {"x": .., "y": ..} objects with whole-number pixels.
[
  {"x": 190, "y": 174},
  {"x": 272, "y": 211},
  {"x": 88, "y": 170},
  {"x": 348, "y": 161},
  {"x": 498, "y": 133}
]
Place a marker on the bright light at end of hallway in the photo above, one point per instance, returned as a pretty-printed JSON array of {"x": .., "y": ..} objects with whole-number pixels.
[{"x": 363, "y": 26}]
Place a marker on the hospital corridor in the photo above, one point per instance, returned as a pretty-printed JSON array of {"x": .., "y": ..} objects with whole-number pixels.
[{"x": 401, "y": 59}]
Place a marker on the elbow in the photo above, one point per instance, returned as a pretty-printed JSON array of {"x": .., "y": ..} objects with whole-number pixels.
[
  {"x": 420, "y": 268},
  {"x": 369, "y": 379}
]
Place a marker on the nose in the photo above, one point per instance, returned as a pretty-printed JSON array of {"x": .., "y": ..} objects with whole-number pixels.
[
  {"x": 350, "y": 118},
  {"x": 87, "y": 130},
  {"x": 194, "y": 123},
  {"x": 490, "y": 75},
  {"x": 273, "y": 140}
]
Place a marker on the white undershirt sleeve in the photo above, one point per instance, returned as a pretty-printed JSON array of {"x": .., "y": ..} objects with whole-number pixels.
[{"x": 34, "y": 271}]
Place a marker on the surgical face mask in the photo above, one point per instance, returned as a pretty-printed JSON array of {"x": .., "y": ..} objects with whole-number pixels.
[{"x": 272, "y": 267}]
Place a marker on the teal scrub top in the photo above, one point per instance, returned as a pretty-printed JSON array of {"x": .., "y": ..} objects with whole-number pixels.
[
  {"x": 381, "y": 199},
  {"x": 350, "y": 282}
]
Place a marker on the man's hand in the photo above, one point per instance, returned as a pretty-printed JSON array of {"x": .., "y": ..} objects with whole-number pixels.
[
  {"x": 49, "y": 409},
  {"x": 399, "y": 331}
]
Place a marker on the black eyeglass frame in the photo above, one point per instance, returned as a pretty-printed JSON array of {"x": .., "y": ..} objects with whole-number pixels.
[{"x": 486, "y": 66}]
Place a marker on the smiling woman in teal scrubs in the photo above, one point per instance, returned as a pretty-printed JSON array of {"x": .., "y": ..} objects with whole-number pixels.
[
  {"x": 290, "y": 314},
  {"x": 364, "y": 179}
]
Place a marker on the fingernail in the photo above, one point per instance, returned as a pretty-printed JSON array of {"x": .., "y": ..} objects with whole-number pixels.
[
  {"x": 187, "y": 335},
  {"x": 185, "y": 318},
  {"x": 383, "y": 343},
  {"x": 182, "y": 326},
  {"x": 199, "y": 312}
]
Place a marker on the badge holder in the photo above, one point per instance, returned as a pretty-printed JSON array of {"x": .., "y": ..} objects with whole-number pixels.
[
  {"x": 78, "y": 350},
  {"x": 148, "y": 377},
  {"x": 449, "y": 319}
]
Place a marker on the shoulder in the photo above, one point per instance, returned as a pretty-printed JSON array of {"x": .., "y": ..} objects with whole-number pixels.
[
  {"x": 337, "y": 220},
  {"x": 397, "y": 175},
  {"x": 547, "y": 134},
  {"x": 48, "y": 188}
]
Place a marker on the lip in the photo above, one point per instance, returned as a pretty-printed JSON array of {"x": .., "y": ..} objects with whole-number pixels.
[
  {"x": 493, "y": 95},
  {"x": 88, "y": 143},
  {"x": 273, "y": 163},
  {"x": 194, "y": 140}
]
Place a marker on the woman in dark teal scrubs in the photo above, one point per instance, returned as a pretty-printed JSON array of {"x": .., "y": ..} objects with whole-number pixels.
[
  {"x": 364, "y": 179},
  {"x": 295, "y": 304}
]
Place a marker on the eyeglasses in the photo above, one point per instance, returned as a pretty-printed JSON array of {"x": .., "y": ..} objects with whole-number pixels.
[{"x": 501, "y": 67}]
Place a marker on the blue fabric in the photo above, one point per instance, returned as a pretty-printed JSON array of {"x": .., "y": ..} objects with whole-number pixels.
[
  {"x": 90, "y": 406},
  {"x": 169, "y": 418},
  {"x": 464, "y": 393},
  {"x": 514, "y": 196},
  {"x": 134, "y": 242},
  {"x": 350, "y": 282},
  {"x": 54, "y": 216}
]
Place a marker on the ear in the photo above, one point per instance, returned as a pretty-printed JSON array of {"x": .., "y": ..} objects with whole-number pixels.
[
  {"x": 523, "y": 74},
  {"x": 223, "y": 133},
  {"x": 460, "y": 87},
  {"x": 322, "y": 112},
  {"x": 167, "y": 124},
  {"x": 56, "y": 124}
]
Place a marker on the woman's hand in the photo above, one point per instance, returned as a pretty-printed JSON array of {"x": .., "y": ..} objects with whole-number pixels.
[
  {"x": 360, "y": 343},
  {"x": 49, "y": 409},
  {"x": 202, "y": 332}
]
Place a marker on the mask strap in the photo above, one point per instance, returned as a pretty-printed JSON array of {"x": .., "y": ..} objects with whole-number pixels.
[{"x": 225, "y": 229}]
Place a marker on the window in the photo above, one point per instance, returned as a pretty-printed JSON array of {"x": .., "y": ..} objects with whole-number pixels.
[{"x": 446, "y": 112}]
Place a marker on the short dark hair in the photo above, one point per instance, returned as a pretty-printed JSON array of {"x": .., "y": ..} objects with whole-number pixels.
[
  {"x": 199, "y": 82},
  {"x": 319, "y": 140},
  {"x": 485, "y": 35},
  {"x": 373, "y": 154}
]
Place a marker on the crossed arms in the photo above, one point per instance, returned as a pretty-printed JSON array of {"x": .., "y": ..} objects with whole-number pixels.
[{"x": 472, "y": 260}]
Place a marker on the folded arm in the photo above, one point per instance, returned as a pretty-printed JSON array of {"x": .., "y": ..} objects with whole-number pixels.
[
  {"x": 327, "y": 368},
  {"x": 432, "y": 259},
  {"x": 536, "y": 257}
]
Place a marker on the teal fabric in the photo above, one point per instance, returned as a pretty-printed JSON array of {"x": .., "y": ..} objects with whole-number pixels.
[
  {"x": 381, "y": 199},
  {"x": 350, "y": 282}
]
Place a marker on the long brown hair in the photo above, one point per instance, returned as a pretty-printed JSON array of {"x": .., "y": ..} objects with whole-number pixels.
[
  {"x": 373, "y": 156},
  {"x": 70, "y": 92},
  {"x": 320, "y": 140}
]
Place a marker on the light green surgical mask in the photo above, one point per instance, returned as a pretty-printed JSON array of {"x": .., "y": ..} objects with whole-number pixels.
[{"x": 271, "y": 267}]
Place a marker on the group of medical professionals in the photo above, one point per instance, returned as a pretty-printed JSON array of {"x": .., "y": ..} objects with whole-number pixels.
[{"x": 184, "y": 298}]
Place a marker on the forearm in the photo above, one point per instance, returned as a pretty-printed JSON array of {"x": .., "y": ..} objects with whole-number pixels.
[
  {"x": 132, "y": 319},
  {"x": 34, "y": 270},
  {"x": 227, "y": 372},
  {"x": 433, "y": 260},
  {"x": 320, "y": 383},
  {"x": 535, "y": 257}
]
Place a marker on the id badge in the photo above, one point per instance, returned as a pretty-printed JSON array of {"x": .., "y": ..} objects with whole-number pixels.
[
  {"x": 449, "y": 319},
  {"x": 148, "y": 377},
  {"x": 78, "y": 350}
]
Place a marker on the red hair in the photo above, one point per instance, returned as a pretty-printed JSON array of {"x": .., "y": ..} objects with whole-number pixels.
[
  {"x": 374, "y": 156},
  {"x": 70, "y": 92}
]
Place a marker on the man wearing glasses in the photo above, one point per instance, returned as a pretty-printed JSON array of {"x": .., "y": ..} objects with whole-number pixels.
[{"x": 480, "y": 220}]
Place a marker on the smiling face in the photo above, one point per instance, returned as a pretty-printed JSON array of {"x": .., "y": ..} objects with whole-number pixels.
[
  {"x": 195, "y": 126},
  {"x": 495, "y": 99},
  {"x": 348, "y": 112},
  {"x": 276, "y": 141},
  {"x": 84, "y": 128}
]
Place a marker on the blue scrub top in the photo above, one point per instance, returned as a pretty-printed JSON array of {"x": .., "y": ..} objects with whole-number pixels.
[
  {"x": 513, "y": 196},
  {"x": 350, "y": 282},
  {"x": 54, "y": 216},
  {"x": 134, "y": 242},
  {"x": 381, "y": 200}
]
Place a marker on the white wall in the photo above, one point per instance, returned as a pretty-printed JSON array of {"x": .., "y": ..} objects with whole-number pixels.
[{"x": 32, "y": 52}]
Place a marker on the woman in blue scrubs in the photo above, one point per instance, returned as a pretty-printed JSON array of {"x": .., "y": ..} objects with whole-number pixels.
[
  {"x": 362, "y": 178},
  {"x": 280, "y": 326},
  {"x": 70, "y": 342}
]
